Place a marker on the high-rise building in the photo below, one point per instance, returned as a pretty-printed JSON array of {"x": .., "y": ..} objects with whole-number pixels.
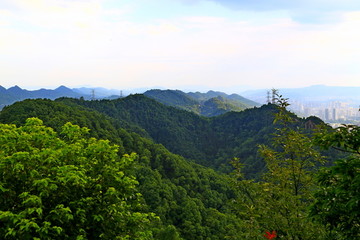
[{"x": 327, "y": 114}]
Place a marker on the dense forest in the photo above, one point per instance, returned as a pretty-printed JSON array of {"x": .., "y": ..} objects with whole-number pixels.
[
  {"x": 207, "y": 104},
  {"x": 134, "y": 168}
]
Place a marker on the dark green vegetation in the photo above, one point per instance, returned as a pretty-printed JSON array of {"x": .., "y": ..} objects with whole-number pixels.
[
  {"x": 280, "y": 201},
  {"x": 337, "y": 202},
  {"x": 190, "y": 200},
  {"x": 65, "y": 186},
  {"x": 206, "y": 104},
  {"x": 183, "y": 194},
  {"x": 210, "y": 142}
]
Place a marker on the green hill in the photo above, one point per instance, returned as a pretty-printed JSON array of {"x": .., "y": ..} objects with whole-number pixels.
[
  {"x": 211, "y": 142},
  {"x": 219, "y": 105},
  {"x": 206, "y": 104},
  {"x": 183, "y": 194},
  {"x": 180, "y": 156}
]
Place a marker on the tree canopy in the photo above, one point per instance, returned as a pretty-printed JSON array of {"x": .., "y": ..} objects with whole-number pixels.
[
  {"x": 66, "y": 186},
  {"x": 337, "y": 202},
  {"x": 58, "y": 181}
]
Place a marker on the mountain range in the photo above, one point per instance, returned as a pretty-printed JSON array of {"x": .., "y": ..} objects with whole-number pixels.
[
  {"x": 183, "y": 159},
  {"x": 211, "y": 103},
  {"x": 209, "y": 141},
  {"x": 15, "y": 93},
  {"x": 207, "y": 104}
]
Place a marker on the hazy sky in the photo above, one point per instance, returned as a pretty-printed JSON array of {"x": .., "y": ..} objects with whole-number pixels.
[{"x": 208, "y": 44}]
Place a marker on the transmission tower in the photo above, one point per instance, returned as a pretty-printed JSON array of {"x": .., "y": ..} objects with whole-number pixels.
[
  {"x": 268, "y": 97},
  {"x": 93, "y": 94}
]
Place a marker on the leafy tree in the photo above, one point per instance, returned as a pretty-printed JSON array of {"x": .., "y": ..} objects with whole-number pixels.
[
  {"x": 66, "y": 186},
  {"x": 337, "y": 202},
  {"x": 167, "y": 182},
  {"x": 280, "y": 201}
]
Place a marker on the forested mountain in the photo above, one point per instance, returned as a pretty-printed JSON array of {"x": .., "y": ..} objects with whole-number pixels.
[
  {"x": 206, "y": 104},
  {"x": 183, "y": 194},
  {"x": 213, "y": 94},
  {"x": 212, "y": 142},
  {"x": 175, "y": 149}
]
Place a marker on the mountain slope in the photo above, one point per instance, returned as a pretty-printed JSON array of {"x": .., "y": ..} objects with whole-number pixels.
[
  {"x": 184, "y": 194},
  {"x": 212, "y": 142},
  {"x": 206, "y": 104},
  {"x": 175, "y": 98},
  {"x": 219, "y": 105}
]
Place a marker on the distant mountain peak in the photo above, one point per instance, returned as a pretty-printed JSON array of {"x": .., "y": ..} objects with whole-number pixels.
[
  {"x": 62, "y": 87},
  {"x": 64, "y": 91},
  {"x": 16, "y": 87}
]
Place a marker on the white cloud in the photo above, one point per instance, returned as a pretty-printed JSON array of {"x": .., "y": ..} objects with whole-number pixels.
[
  {"x": 82, "y": 42},
  {"x": 304, "y": 11}
]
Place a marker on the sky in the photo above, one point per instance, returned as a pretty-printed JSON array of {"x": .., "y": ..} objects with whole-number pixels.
[{"x": 227, "y": 45}]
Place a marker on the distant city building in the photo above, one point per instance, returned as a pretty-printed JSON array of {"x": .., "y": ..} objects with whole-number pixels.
[
  {"x": 335, "y": 112},
  {"x": 327, "y": 115},
  {"x": 334, "y": 117}
]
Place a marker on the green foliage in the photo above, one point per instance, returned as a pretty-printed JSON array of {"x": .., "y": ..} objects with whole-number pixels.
[
  {"x": 177, "y": 130},
  {"x": 346, "y": 138},
  {"x": 280, "y": 201},
  {"x": 175, "y": 98},
  {"x": 66, "y": 186},
  {"x": 219, "y": 105},
  {"x": 206, "y": 104},
  {"x": 170, "y": 184},
  {"x": 337, "y": 202},
  {"x": 183, "y": 194},
  {"x": 192, "y": 201},
  {"x": 168, "y": 233},
  {"x": 208, "y": 141}
]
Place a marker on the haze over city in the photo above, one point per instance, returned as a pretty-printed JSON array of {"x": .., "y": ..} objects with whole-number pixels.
[{"x": 179, "y": 44}]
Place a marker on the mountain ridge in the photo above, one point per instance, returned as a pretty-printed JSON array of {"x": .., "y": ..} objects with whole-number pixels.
[
  {"x": 15, "y": 93},
  {"x": 218, "y": 102},
  {"x": 209, "y": 104}
]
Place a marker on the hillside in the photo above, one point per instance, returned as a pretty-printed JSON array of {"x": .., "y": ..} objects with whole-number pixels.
[
  {"x": 183, "y": 194},
  {"x": 211, "y": 142},
  {"x": 180, "y": 157},
  {"x": 207, "y": 104}
]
